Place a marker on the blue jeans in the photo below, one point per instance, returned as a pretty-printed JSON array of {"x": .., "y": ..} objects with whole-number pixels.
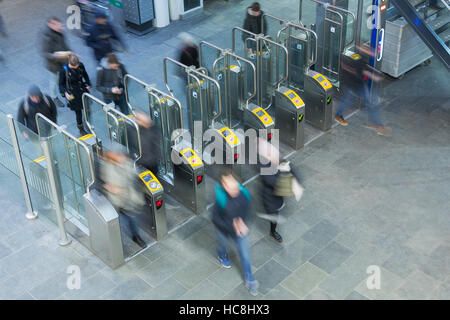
[
  {"x": 363, "y": 93},
  {"x": 242, "y": 245},
  {"x": 121, "y": 103}
]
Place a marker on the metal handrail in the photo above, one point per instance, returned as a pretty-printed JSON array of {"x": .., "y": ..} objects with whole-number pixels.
[
  {"x": 77, "y": 142},
  {"x": 201, "y": 75},
  {"x": 83, "y": 100},
  {"x": 234, "y": 36},
  {"x": 207, "y": 44},
  {"x": 278, "y": 45},
  {"x": 145, "y": 85},
  {"x": 297, "y": 26},
  {"x": 186, "y": 68}
]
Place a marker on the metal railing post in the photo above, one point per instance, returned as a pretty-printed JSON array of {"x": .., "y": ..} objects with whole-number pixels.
[
  {"x": 31, "y": 214},
  {"x": 64, "y": 240}
]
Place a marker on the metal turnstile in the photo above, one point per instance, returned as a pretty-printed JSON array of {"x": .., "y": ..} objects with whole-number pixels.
[
  {"x": 319, "y": 102},
  {"x": 183, "y": 179}
]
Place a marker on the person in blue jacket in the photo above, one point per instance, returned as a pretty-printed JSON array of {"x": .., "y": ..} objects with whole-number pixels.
[{"x": 230, "y": 217}]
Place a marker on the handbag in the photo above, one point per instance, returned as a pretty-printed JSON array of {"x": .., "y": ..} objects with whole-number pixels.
[{"x": 283, "y": 185}]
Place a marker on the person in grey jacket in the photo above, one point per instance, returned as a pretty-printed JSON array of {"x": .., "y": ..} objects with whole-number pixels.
[
  {"x": 110, "y": 82},
  {"x": 119, "y": 180},
  {"x": 56, "y": 53},
  {"x": 254, "y": 22}
]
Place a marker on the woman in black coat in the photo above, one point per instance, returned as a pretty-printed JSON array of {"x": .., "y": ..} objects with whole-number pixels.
[{"x": 73, "y": 82}]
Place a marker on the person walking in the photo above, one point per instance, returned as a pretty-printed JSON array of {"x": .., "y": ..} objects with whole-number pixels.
[
  {"x": 230, "y": 217},
  {"x": 189, "y": 50},
  {"x": 119, "y": 182},
  {"x": 73, "y": 82},
  {"x": 255, "y": 23},
  {"x": 101, "y": 37},
  {"x": 356, "y": 74},
  {"x": 56, "y": 53},
  {"x": 278, "y": 183},
  {"x": 150, "y": 143},
  {"x": 35, "y": 102},
  {"x": 110, "y": 82}
]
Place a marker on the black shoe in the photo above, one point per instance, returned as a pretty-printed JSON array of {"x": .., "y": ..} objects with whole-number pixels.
[
  {"x": 82, "y": 131},
  {"x": 276, "y": 236},
  {"x": 139, "y": 241},
  {"x": 58, "y": 103}
]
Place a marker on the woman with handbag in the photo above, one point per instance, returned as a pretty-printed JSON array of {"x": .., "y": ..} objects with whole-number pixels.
[
  {"x": 73, "y": 82},
  {"x": 282, "y": 182}
]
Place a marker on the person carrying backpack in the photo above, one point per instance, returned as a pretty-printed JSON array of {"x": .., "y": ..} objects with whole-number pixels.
[
  {"x": 230, "y": 217},
  {"x": 35, "y": 102},
  {"x": 73, "y": 82}
]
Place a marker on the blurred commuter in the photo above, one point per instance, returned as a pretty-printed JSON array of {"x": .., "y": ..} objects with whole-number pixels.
[
  {"x": 276, "y": 186},
  {"x": 56, "y": 53},
  {"x": 110, "y": 82},
  {"x": 150, "y": 143},
  {"x": 254, "y": 22},
  {"x": 120, "y": 185},
  {"x": 73, "y": 82},
  {"x": 230, "y": 217},
  {"x": 101, "y": 37},
  {"x": 356, "y": 74},
  {"x": 189, "y": 50},
  {"x": 35, "y": 102}
]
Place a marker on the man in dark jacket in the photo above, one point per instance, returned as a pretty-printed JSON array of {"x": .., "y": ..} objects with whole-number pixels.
[
  {"x": 73, "y": 82},
  {"x": 110, "y": 82},
  {"x": 100, "y": 36},
  {"x": 150, "y": 143},
  {"x": 254, "y": 22},
  {"x": 35, "y": 102},
  {"x": 230, "y": 217},
  {"x": 189, "y": 50},
  {"x": 55, "y": 52}
]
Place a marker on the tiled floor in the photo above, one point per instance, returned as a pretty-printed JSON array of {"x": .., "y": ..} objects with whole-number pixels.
[{"x": 369, "y": 200}]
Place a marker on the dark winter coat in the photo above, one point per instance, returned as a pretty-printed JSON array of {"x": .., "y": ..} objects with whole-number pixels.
[
  {"x": 254, "y": 24},
  {"x": 272, "y": 202},
  {"x": 189, "y": 56},
  {"x": 52, "y": 42},
  {"x": 28, "y": 110},
  {"x": 75, "y": 82},
  {"x": 108, "y": 78},
  {"x": 151, "y": 148},
  {"x": 227, "y": 208},
  {"x": 100, "y": 40}
]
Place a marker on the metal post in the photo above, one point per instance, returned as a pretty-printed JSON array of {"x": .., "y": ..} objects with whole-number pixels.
[
  {"x": 64, "y": 240},
  {"x": 31, "y": 214}
]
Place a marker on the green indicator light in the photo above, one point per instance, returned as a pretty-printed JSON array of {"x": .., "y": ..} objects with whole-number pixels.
[
  {"x": 300, "y": 117},
  {"x": 328, "y": 99}
]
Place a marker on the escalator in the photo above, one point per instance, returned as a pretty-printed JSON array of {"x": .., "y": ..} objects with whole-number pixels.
[{"x": 415, "y": 31}]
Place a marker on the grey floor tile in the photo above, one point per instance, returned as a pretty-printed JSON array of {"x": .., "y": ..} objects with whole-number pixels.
[
  {"x": 4, "y": 251},
  {"x": 321, "y": 234},
  {"x": 437, "y": 265},
  {"x": 279, "y": 293},
  {"x": 170, "y": 289},
  {"x": 193, "y": 273},
  {"x": 270, "y": 275},
  {"x": 342, "y": 281},
  {"x": 263, "y": 250},
  {"x": 241, "y": 293},
  {"x": 331, "y": 257},
  {"x": 442, "y": 292},
  {"x": 129, "y": 289},
  {"x": 319, "y": 294},
  {"x": 51, "y": 288},
  {"x": 403, "y": 261},
  {"x": 417, "y": 286},
  {"x": 304, "y": 280},
  {"x": 227, "y": 279},
  {"x": 389, "y": 282},
  {"x": 355, "y": 296},
  {"x": 91, "y": 288},
  {"x": 160, "y": 270},
  {"x": 203, "y": 291},
  {"x": 296, "y": 253}
]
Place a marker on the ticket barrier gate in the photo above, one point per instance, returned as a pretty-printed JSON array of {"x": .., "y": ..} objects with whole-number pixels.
[
  {"x": 112, "y": 125},
  {"x": 102, "y": 232},
  {"x": 315, "y": 89},
  {"x": 183, "y": 180},
  {"x": 273, "y": 74},
  {"x": 237, "y": 78},
  {"x": 204, "y": 108}
]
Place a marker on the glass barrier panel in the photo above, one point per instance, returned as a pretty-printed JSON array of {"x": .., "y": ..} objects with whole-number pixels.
[
  {"x": 220, "y": 74},
  {"x": 332, "y": 47},
  {"x": 97, "y": 119},
  {"x": 137, "y": 95},
  {"x": 35, "y": 168},
  {"x": 7, "y": 155},
  {"x": 209, "y": 55}
]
